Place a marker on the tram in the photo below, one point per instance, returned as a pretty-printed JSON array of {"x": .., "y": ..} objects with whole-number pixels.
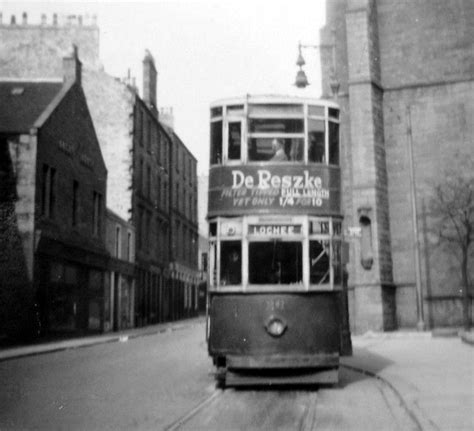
[{"x": 276, "y": 245}]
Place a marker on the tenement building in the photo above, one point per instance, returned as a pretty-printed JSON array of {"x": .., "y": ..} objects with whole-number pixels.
[
  {"x": 52, "y": 208},
  {"x": 406, "y": 76},
  {"x": 139, "y": 153}
]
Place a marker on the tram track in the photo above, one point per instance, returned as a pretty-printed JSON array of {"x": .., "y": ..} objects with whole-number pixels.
[
  {"x": 408, "y": 410},
  {"x": 306, "y": 418},
  {"x": 179, "y": 423}
]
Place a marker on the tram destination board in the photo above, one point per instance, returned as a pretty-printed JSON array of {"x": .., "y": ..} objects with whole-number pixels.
[{"x": 274, "y": 189}]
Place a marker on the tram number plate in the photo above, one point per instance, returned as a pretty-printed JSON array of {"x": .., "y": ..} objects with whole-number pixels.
[{"x": 276, "y": 304}]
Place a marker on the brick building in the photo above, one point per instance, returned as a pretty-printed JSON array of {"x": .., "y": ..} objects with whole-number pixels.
[
  {"x": 139, "y": 151},
  {"x": 406, "y": 74},
  {"x": 53, "y": 194}
]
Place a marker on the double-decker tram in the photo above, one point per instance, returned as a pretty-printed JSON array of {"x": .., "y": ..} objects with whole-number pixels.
[{"x": 275, "y": 229}]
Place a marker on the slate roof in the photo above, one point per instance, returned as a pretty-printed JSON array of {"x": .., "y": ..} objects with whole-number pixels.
[{"x": 21, "y": 103}]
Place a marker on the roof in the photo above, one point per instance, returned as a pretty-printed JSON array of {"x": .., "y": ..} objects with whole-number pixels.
[
  {"x": 22, "y": 103},
  {"x": 273, "y": 99}
]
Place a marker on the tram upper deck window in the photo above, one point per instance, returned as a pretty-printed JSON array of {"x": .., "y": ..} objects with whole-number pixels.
[
  {"x": 277, "y": 262},
  {"x": 216, "y": 142},
  {"x": 275, "y": 149},
  {"x": 333, "y": 143},
  {"x": 274, "y": 125},
  {"x": 272, "y": 110},
  {"x": 316, "y": 111},
  {"x": 216, "y": 112},
  {"x": 316, "y": 141},
  {"x": 234, "y": 140}
]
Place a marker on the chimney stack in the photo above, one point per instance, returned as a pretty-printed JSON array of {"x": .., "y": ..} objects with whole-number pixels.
[
  {"x": 149, "y": 82},
  {"x": 72, "y": 67}
]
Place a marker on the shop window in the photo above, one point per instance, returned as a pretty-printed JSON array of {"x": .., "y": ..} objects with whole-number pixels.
[
  {"x": 319, "y": 268},
  {"x": 216, "y": 142},
  {"x": 277, "y": 262},
  {"x": 231, "y": 262}
]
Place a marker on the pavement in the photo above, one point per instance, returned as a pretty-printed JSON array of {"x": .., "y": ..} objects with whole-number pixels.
[{"x": 432, "y": 373}]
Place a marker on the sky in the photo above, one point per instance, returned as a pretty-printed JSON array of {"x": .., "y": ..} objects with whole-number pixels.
[{"x": 203, "y": 50}]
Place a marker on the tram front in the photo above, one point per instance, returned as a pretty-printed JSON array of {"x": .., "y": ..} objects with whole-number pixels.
[{"x": 275, "y": 230}]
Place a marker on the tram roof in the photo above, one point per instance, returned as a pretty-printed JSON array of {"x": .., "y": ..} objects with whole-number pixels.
[{"x": 273, "y": 99}]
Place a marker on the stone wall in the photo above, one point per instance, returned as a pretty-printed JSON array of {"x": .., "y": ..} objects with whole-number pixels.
[
  {"x": 401, "y": 60},
  {"x": 36, "y": 50}
]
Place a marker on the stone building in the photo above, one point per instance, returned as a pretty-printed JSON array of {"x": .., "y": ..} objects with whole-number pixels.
[
  {"x": 139, "y": 151},
  {"x": 406, "y": 75},
  {"x": 53, "y": 194}
]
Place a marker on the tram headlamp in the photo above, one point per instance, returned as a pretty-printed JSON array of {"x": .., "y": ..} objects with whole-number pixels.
[{"x": 275, "y": 326}]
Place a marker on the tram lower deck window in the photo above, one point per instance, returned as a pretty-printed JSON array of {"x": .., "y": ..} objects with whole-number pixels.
[
  {"x": 319, "y": 262},
  {"x": 231, "y": 262},
  {"x": 277, "y": 262}
]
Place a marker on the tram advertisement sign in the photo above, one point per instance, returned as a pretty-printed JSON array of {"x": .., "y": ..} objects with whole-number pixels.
[{"x": 274, "y": 189}]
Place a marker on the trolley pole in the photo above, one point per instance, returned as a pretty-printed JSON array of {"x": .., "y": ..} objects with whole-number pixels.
[{"x": 419, "y": 293}]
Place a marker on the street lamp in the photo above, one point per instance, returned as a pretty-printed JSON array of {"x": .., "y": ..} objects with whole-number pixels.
[{"x": 301, "y": 80}]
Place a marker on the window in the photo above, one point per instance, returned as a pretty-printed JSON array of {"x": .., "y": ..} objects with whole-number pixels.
[
  {"x": 271, "y": 125},
  {"x": 148, "y": 182},
  {"x": 234, "y": 140},
  {"x": 216, "y": 112},
  {"x": 97, "y": 213},
  {"x": 75, "y": 202},
  {"x": 366, "y": 251},
  {"x": 147, "y": 238},
  {"x": 140, "y": 126},
  {"x": 118, "y": 242},
  {"x": 265, "y": 149},
  {"x": 140, "y": 176},
  {"x": 48, "y": 192},
  {"x": 316, "y": 141},
  {"x": 319, "y": 270},
  {"x": 129, "y": 246},
  {"x": 159, "y": 193},
  {"x": 333, "y": 143},
  {"x": 231, "y": 262},
  {"x": 277, "y": 262},
  {"x": 337, "y": 261},
  {"x": 216, "y": 142},
  {"x": 148, "y": 135}
]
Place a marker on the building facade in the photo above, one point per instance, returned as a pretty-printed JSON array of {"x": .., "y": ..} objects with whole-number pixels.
[
  {"x": 139, "y": 151},
  {"x": 53, "y": 208},
  {"x": 406, "y": 75}
]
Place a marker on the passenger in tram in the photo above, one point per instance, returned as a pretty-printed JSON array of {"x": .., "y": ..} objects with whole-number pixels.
[{"x": 279, "y": 154}]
